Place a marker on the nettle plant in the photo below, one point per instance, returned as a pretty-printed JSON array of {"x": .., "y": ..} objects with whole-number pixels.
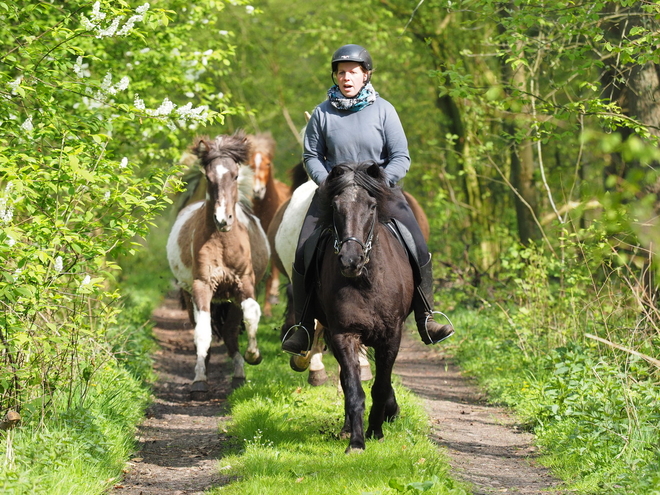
[{"x": 98, "y": 102}]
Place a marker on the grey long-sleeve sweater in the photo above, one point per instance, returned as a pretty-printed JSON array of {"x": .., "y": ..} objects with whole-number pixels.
[{"x": 374, "y": 133}]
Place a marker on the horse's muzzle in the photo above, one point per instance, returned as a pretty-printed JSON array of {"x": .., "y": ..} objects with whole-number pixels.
[
  {"x": 223, "y": 225},
  {"x": 351, "y": 266}
]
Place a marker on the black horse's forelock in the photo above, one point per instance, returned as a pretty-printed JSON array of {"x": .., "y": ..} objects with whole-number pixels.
[
  {"x": 235, "y": 147},
  {"x": 366, "y": 175}
]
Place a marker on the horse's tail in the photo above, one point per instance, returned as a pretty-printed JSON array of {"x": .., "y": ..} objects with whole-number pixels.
[{"x": 298, "y": 176}]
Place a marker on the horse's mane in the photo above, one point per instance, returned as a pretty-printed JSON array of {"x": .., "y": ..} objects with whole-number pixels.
[
  {"x": 233, "y": 146},
  {"x": 367, "y": 175},
  {"x": 262, "y": 143}
]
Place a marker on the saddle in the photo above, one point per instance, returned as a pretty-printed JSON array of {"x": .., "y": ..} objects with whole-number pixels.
[{"x": 314, "y": 248}]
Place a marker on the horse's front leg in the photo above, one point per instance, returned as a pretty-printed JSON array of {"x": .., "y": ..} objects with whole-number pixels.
[
  {"x": 384, "y": 405},
  {"x": 201, "y": 302},
  {"x": 251, "y": 316},
  {"x": 346, "y": 352}
]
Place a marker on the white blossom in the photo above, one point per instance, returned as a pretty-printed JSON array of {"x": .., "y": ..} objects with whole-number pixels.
[
  {"x": 142, "y": 8},
  {"x": 124, "y": 163},
  {"x": 109, "y": 31},
  {"x": 165, "y": 108},
  {"x": 122, "y": 84},
  {"x": 10, "y": 241},
  {"x": 106, "y": 196},
  {"x": 86, "y": 281},
  {"x": 13, "y": 85},
  {"x": 6, "y": 212},
  {"x": 27, "y": 125},
  {"x": 97, "y": 15},
  {"x": 249, "y": 9},
  {"x": 223, "y": 32},
  {"x": 59, "y": 265},
  {"x": 138, "y": 103},
  {"x": 81, "y": 69}
]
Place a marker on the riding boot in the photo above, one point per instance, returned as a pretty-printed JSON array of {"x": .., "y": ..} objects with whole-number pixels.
[
  {"x": 430, "y": 331},
  {"x": 298, "y": 339}
]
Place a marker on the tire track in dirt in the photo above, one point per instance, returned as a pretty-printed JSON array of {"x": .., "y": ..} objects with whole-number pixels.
[{"x": 180, "y": 442}]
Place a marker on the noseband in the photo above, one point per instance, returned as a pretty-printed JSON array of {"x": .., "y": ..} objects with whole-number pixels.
[{"x": 366, "y": 246}]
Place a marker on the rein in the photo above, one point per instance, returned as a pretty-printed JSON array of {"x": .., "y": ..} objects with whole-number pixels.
[{"x": 366, "y": 246}]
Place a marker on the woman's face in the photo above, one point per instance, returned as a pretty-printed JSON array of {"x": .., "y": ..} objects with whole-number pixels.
[{"x": 350, "y": 78}]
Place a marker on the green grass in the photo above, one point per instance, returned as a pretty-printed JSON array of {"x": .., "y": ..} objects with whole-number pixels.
[{"x": 286, "y": 437}]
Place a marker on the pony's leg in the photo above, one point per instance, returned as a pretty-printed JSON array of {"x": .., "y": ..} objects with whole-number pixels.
[
  {"x": 251, "y": 316},
  {"x": 365, "y": 367},
  {"x": 346, "y": 352},
  {"x": 272, "y": 290},
  {"x": 384, "y": 405},
  {"x": 317, "y": 375},
  {"x": 202, "y": 336},
  {"x": 230, "y": 331}
]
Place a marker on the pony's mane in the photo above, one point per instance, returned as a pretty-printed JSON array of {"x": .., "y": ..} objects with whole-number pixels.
[
  {"x": 262, "y": 143},
  {"x": 234, "y": 146},
  {"x": 366, "y": 175}
]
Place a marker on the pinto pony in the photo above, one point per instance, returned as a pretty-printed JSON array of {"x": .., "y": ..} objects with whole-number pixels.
[{"x": 218, "y": 251}]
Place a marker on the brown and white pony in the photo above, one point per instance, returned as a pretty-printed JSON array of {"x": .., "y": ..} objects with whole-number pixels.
[
  {"x": 268, "y": 194},
  {"x": 218, "y": 252}
]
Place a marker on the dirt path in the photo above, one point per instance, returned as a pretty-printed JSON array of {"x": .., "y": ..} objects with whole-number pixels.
[
  {"x": 180, "y": 443},
  {"x": 485, "y": 445}
]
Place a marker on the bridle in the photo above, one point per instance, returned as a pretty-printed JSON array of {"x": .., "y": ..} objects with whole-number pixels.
[{"x": 366, "y": 246}]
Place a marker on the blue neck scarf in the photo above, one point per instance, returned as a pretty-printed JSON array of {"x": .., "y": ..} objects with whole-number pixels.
[{"x": 364, "y": 98}]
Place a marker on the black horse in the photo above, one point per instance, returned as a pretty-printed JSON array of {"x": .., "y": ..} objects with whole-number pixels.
[{"x": 365, "y": 291}]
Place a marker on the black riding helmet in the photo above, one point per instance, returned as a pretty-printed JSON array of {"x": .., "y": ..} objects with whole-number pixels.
[{"x": 352, "y": 53}]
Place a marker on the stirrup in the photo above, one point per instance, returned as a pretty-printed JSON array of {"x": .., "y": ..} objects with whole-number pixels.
[
  {"x": 429, "y": 316},
  {"x": 295, "y": 328}
]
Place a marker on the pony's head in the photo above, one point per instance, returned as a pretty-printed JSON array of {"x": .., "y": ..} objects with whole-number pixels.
[
  {"x": 353, "y": 197},
  {"x": 262, "y": 152},
  {"x": 221, "y": 159}
]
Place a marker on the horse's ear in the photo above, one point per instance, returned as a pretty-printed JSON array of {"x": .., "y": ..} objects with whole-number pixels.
[
  {"x": 201, "y": 146},
  {"x": 374, "y": 171},
  {"x": 337, "y": 171}
]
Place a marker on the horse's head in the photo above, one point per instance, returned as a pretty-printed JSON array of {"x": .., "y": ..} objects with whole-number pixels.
[
  {"x": 222, "y": 159},
  {"x": 262, "y": 151},
  {"x": 354, "y": 195}
]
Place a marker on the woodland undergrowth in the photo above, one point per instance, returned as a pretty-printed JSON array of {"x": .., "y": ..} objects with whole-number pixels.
[{"x": 570, "y": 343}]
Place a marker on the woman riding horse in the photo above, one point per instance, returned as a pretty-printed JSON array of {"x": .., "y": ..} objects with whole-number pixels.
[{"x": 356, "y": 124}]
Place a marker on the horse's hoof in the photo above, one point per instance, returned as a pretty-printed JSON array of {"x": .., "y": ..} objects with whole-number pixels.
[
  {"x": 237, "y": 382},
  {"x": 372, "y": 433},
  {"x": 253, "y": 358},
  {"x": 199, "y": 391},
  {"x": 274, "y": 300},
  {"x": 299, "y": 363},
  {"x": 317, "y": 378},
  {"x": 354, "y": 450},
  {"x": 365, "y": 373}
]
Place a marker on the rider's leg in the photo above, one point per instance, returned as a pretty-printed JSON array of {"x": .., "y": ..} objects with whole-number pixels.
[
  {"x": 429, "y": 330},
  {"x": 298, "y": 339}
]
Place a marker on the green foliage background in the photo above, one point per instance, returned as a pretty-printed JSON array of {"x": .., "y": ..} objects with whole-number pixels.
[{"x": 101, "y": 99}]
